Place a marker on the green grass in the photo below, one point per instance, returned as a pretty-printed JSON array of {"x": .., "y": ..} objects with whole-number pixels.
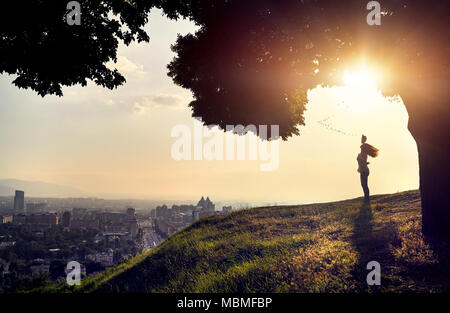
[{"x": 307, "y": 248}]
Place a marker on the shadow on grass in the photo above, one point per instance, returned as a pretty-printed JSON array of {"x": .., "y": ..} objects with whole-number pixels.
[
  {"x": 408, "y": 275},
  {"x": 371, "y": 245}
]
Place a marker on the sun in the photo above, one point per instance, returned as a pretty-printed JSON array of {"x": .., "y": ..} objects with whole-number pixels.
[
  {"x": 360, "y": 91},
  {"x": 361, "y": 79}
]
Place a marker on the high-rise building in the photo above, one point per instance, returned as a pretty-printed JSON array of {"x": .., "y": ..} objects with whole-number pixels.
[
  {"x": 19, "y": 201},
  {"x": 133, "y": 226},
  {"x": 67, "y": 219},
  {"x": 131, "y": 213}
]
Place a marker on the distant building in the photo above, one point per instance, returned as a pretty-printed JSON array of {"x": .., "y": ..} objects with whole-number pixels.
[
  {"x": 162, "y": 211},
  {"x": 34, "y": 207},
  {"x": 67, "y": 219},
  {"x": 169, "y": 220},
  {"x": 162, "y": 228},
  {"x": 79, "y": 212},
  {"x": 6, "y": 204},
  {"x": 206, "y": 205},
  {"x": 19, "y": 219},
  {"x": 195, "y": 215},
  {"x": 36, "y": 221},
  {"x": 226, "y": 209},
  {"x": 186, "y": 218},
  {"x": 118, "y": 222},
  {"x": 133, "y": 226},
  {"x": 6, "y": 219},
  {"x": 102, "y": 257},
  {"x": 131, "y": 213},
  {"x": 19, "y": 201}
]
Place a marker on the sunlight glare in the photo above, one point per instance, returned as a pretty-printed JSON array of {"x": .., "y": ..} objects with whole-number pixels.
[{"x": 360, "y": 79}]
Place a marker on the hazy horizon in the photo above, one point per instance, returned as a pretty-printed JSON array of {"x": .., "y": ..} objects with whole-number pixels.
[{"x": 115, "y": 197}]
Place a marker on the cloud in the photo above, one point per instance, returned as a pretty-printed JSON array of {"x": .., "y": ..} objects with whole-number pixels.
[
  {"x": 139, "y": 108},
  {"x": 107, "y": 101},
  {"x": 127, "y": 67},
  {"x": 167, "y": 100},
  {"x": 146, "y": 103}
]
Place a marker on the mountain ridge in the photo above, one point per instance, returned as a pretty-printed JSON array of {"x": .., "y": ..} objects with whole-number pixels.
[{"x": 36, "y": 188}]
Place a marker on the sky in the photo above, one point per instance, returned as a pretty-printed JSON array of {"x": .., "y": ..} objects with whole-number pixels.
[{"x": 118, "y": 143}]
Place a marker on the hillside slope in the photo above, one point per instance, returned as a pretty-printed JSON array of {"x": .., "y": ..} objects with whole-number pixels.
[{"x": 307, "y": 248}]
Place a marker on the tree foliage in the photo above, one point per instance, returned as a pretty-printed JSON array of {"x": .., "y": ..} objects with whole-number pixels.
[
  {"x": 46, "y": 53},
  {"x": 251, "y": 62}
]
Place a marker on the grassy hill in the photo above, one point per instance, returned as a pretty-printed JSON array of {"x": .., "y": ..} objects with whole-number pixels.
[{"x": 305, "y": 248}]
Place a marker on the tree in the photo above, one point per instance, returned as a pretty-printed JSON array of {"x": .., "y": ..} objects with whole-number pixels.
[
  {"x": 253, "y": 61},
  {"x": 45, "y": 52}
]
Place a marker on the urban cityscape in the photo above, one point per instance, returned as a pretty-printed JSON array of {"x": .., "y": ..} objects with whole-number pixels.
[{"x": 37, "y": 240}]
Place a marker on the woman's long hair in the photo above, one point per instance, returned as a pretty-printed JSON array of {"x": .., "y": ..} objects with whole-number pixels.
[{"x": 369, "y": 150}]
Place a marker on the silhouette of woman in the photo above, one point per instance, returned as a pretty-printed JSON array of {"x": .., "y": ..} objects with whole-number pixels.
[{"x": 363, "y": 169}]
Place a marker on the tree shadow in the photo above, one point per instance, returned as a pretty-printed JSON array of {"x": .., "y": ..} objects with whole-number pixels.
[
  {"x": 371, "y": 245},
  {"x": 374, "y": 244}
]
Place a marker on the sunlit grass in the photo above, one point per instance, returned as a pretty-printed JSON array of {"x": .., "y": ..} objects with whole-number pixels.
[{"x": 309, "y": 248}]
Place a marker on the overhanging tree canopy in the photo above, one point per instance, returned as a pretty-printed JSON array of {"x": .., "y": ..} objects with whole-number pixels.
[
  {"x": 38, "y": 45},
  {"x": 252, "y": 62}
]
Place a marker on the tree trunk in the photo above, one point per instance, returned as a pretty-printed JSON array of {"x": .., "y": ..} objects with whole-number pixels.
[
  {"x": 434, "y": 189},
  {"x": 429, "y": 125}
]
